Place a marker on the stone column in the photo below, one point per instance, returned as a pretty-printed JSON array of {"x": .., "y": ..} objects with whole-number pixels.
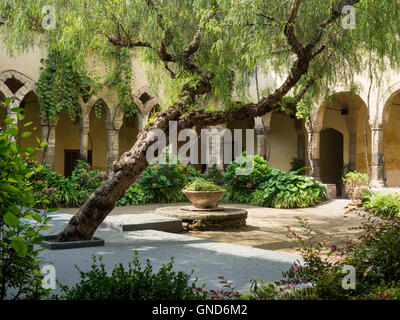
[
  {"x": 215, "y": 150},
  {"x": 84, "y": 143},
  {"x": 49, "y": 136},
  {"x": 112, "y": 148},
  {"x": 142, "y": 121},
  {"x": 261, "y": 132},
  {"x": 378, "y": 157},
  {"x": 314, "y": 154}
]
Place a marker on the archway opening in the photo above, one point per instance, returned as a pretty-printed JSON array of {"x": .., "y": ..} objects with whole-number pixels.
[
  {"x": 331, "y": 157},
  {"x": 67, "y": 144},
  {"x": 128, "y": 133},
  {"x": 31, "y": 113},
  {"x": 346, "y": 113},
  {"x": 392, "y": 144},
  {"x": 98, "y": 136}
]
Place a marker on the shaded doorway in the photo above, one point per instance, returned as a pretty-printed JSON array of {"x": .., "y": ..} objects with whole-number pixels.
[
  {"x": 70, "y": 159},
  {"x": 331, "y": 157}
]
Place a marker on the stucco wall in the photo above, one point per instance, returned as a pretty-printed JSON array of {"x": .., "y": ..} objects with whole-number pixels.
[
  {"x": 67, "y": 138},
  {"x": 282, "y": 139},
  {"x": 27, "y": 63}
]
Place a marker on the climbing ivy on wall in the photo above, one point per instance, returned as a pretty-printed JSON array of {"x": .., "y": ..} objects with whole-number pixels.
[
  {"x": 60, "y": 85},
  {"x": 120, "y": 77},
  {"x": 63, "y": 81}
]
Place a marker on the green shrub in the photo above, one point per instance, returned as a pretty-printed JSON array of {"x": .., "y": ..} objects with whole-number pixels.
[
  {"x": 356, "y": 184},
  {"x": 20, "y": 276},
  {"x": 160, "y": 183},
  {"x": 375, "y": 256},
  {"x": 298, "y": 165},
  {"x": 214, "y": 175},
  {"x": 384, "y": 205},
  {"x": 60, "y": 191},
  {"x": 132, "y": 283},
  {"x": 200, "y": 184},
  {"x": 269, "y": 187},
  {"x": 134, "y": 195},
  {"x": 245, "y": 184},
  {"x": 289, "y": 190}
]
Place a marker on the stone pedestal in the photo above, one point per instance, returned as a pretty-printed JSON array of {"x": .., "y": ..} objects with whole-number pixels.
[{"x": 206, "y": 220}]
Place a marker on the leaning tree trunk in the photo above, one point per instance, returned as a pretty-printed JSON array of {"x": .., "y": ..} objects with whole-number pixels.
[{"x": 84, "y": 224}]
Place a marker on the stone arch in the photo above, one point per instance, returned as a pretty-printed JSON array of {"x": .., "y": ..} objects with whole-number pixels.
[
  {"x": 386, "y": 101},
  {"x": 388, "y": 144},
  {"x": 27, "y": 83},
  {"x": 98, "y": 134},
  {"x": 347, "y": 113},
  {"x": 319, "y": 111}
]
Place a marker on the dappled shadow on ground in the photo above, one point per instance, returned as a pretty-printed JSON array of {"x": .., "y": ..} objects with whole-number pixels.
[{"x": 266, "y": 227}]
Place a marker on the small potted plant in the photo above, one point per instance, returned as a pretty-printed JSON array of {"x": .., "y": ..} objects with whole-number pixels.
[
  {"x": 204, "y": 194},
  {"x": 355, "y": 185}
]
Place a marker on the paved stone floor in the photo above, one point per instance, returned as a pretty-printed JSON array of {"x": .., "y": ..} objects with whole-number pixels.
[
  {"x": 266, "y": 227},
  {"x": 209, "y": 259},
  {"x": 261, "y": 250}
]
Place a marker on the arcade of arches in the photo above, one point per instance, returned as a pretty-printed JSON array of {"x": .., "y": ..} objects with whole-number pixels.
[{"x": 342, "y": 136}]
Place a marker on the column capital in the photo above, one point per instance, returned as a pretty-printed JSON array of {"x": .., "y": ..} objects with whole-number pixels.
[{"x": 377, "y": 125}]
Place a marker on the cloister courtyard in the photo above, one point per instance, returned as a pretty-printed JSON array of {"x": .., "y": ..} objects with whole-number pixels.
[{"x": 199, "y": 150}]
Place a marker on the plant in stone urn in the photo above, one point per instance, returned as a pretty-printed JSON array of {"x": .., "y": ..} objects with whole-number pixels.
[
  {"x": 204, "y": 194},
  {"x": 356, "y": 184}
]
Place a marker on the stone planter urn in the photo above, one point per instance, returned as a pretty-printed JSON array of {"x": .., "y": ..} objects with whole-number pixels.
[{"x": 207, "y": 200}]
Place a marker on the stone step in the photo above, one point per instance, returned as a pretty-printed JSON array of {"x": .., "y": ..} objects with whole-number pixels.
[{"x": 143, "y": 221}]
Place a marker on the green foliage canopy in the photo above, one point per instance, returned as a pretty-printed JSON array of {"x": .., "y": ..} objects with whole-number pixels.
[{"x": 236, "y": 36}]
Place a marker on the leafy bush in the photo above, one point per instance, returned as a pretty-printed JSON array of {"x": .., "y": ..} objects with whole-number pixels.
[
  {"x": 375, "y": 256},
  {"x": 160, "y": 182},
  {"x": 269, "y": 187},
  {"x": 289, "y": 190},
  {"x": 133, "y": 283},
  {"x": 19, "y": 263},
  {"x": 134, "y": 195},
  {"x": 384, "y": 205},
  {"x": 356, "y": 184},
  {"x": 201, "y": 184},
  {"x": 60, "y": 191},
  {"x": 245, "y": 184},
  {"x": 214, "y": 175}
]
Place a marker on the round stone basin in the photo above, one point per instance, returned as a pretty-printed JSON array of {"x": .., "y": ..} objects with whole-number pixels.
[
  {"x": 205, "y": 199},
  {"x": 206, "y": 219}
]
